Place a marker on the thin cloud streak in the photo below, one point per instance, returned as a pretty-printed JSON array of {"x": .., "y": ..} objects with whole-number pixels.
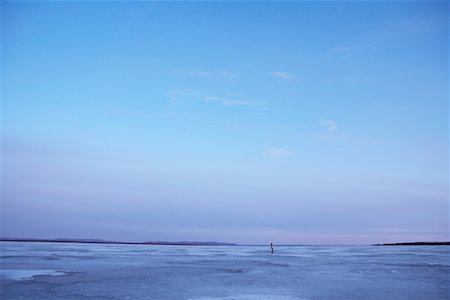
[
  {"x": 214, "y": 74},
  {"x": 227, "y": 101},
  {"x": 278, "y": 152},
  {"x": 179, "y": 96},
  {"x": 387, "y": 33},
  {"x": 284, "y": 75}
]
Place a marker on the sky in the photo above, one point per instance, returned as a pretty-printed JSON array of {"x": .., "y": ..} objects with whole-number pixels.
[{"x": 246, "y": 122}]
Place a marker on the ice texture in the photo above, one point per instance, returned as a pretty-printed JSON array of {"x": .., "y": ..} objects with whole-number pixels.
[
  {"x": 27, "y": 274},
  {"x": 91, "y": 271}
]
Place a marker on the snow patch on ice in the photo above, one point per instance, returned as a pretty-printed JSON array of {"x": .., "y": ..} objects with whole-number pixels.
[{"x": 28, "y": 274}]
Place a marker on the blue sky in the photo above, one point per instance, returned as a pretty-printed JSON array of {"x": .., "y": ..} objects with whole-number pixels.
[{"x": 249, "y": 122}]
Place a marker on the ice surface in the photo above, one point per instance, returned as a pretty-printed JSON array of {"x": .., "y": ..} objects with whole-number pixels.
[
  {"x": 249, "y": 297},
  {"x": 88, "y": 271}
]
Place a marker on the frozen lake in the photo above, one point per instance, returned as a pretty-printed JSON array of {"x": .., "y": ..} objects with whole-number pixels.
[{"x": 87, "y": 271}]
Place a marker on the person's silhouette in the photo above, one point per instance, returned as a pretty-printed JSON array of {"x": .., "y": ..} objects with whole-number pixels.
[{"x": 271, "y": 247}]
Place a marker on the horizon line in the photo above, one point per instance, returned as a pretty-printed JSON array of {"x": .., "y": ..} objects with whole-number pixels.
[{"x": 195, "y": 243}]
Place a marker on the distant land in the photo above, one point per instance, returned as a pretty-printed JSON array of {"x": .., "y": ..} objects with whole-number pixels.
[
  {"x": 415, "y": 244},
  {"x": 188, "y": 243},
  {"x": 98, "y": 241}
]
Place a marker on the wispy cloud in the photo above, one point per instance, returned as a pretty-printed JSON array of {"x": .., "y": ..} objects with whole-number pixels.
[
  {"x": 180, "y": 100},
  {"x": 278, "y": 152},
  {"x": 281, "y": 74},
  {"x": 227, "y": 101},
  {"x": 328, "y": 124},
  {"x": 214, "y": 74},
  {"x": 178, "y": 113},
  {"x": 389, "y": 34},
  {"x": 182, "y": 93}
]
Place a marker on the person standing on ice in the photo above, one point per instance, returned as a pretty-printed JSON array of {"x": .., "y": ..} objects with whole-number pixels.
[{"x": 271, "y": 247}]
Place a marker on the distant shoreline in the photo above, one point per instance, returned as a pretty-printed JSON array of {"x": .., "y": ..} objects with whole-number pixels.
[
  {"x": 415, "y": 244},
  {"x": 74, "y": 241},
  {"x": 186, "y": 243}
]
